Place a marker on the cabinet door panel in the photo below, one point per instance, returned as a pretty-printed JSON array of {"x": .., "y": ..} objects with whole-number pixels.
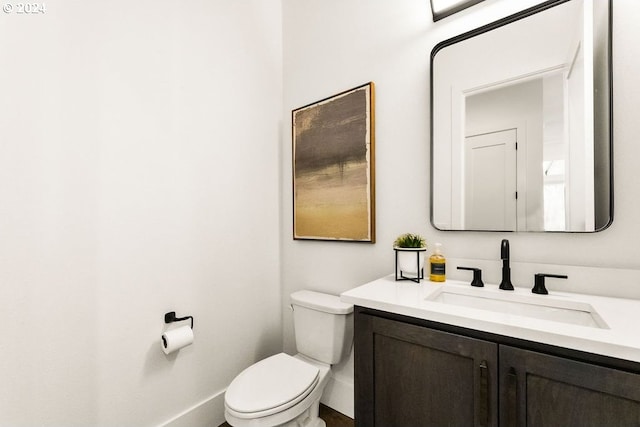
[
  {"x": 423, "y": 377},
  {"x": 427, "y": 387},
  {"x": 546, "y": 391}
]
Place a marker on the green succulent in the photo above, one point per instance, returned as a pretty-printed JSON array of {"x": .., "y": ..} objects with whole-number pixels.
[{"x": 410, "y": 240}]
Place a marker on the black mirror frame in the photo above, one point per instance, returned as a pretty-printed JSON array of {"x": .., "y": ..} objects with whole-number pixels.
[{"x": 608, "y": 114}]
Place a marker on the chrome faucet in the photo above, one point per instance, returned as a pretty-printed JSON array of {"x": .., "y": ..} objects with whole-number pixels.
[{"x": 506, "y": 270}]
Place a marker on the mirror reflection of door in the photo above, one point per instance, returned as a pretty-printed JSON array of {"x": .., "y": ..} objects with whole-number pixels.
[
  {"x": 518, "y": 106},
  {"x": 490, "y": 181},
  {"x": 541, "y": 109},
  {"x": 545, "y": 73}
]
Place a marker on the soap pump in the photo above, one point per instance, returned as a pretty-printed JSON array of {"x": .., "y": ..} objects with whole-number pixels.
[{"x": 437, "y": 265}]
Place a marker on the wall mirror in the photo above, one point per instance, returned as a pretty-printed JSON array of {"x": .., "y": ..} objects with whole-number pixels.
[{"x": 521, "y": 122}]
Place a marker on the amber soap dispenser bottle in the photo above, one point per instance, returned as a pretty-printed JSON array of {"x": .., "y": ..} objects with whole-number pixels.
[{"x": 437, "y": 265}]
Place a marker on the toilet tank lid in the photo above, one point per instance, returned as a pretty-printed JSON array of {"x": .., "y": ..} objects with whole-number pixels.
[{"x": 321, "y": 302}]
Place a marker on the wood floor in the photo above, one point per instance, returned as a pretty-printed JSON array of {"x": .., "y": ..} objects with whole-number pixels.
[
  {"x": 331, "y": 417},
  {"x": 334, "y": 418}
]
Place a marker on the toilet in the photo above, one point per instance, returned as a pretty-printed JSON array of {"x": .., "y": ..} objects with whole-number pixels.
[{"x": 284, "y": 390}]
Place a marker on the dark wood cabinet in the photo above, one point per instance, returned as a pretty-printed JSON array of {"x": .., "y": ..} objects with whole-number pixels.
[
  {"x": 419, "y": 373},
  {"x": 539, "y": 390},
  {"x": 408, "y": 375}
]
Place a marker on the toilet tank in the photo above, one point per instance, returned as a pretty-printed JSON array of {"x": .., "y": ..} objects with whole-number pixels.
[{"x": 323, "y": 326}]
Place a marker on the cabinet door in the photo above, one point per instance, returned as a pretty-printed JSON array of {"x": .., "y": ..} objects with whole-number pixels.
[
  {"x": 412, "y": 376},
  {"x": 546, "y": 391}
]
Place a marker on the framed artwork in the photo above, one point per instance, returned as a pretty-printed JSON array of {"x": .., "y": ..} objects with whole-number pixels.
[{"x": 333, "y": 168}]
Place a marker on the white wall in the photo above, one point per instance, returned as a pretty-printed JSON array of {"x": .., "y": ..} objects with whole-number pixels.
[
  {"x": 332, "y": 45},
  {"x": 138, "y": 175}
]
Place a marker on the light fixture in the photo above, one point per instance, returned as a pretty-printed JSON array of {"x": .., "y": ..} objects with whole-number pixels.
[{"x": 444, "y": 8}]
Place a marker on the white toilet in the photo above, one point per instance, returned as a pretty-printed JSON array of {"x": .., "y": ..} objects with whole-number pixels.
[{"x": 284, "y": 390}]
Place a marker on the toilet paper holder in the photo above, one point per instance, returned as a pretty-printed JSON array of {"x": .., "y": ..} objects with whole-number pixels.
[{"x": 170, "y": 317}]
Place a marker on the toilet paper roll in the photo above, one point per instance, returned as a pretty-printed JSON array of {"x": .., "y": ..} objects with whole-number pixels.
[{"x": 176, "y": 339}]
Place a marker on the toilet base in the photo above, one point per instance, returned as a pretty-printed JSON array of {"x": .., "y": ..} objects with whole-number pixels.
[{"x": 308, "y": 418}]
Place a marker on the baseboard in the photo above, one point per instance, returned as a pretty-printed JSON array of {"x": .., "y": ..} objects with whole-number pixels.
[
  {"x": 209, "y": 413},
  {"x": 338, "y": 395}
]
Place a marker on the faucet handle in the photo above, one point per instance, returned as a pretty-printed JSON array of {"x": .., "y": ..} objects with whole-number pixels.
[
  {"x": 538, "y": 283},
  {"x": 477, "y": 276}
]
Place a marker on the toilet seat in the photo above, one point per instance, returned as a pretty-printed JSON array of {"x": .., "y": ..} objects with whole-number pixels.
[{"x": 270, "y": 386}]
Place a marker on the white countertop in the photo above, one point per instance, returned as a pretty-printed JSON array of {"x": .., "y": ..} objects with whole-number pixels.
[{"x": 621, "y": 339}]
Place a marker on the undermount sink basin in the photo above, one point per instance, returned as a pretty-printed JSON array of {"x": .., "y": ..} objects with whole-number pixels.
[{"x": 539, "y": 307}]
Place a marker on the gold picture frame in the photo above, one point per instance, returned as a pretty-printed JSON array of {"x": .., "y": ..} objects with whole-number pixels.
[{"x": 333, "y": 167}]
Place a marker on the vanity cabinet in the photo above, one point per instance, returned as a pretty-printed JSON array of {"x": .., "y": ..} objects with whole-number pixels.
[
  {"x": 419, "y": 373},
  {"x": 538, "y": 389},
  {"x": 408, "y": 375}
]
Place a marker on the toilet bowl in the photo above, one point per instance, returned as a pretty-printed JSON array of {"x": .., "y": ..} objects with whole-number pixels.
[
  {"x": 276, "y": 391},
  {"x": 284, "y": 390}
]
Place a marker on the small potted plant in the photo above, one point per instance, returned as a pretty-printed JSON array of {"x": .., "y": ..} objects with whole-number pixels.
[{"x": 410, "y": 252}]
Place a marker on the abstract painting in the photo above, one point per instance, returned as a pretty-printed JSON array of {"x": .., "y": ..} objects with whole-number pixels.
[{"x": 333, "y": 168}]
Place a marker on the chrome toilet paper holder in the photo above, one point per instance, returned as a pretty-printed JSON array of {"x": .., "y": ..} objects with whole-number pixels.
[{"x": 170, "y": 317}]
